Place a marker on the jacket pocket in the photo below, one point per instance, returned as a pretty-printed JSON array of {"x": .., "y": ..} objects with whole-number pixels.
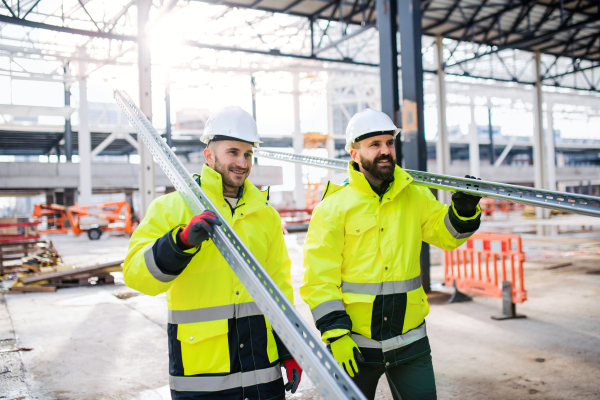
[
  {"x": 360, "y": 309},
  {"x": 204, "y": 347},
  {"x": 361, "y": 237},
  {"x": 417, "y": 309}
]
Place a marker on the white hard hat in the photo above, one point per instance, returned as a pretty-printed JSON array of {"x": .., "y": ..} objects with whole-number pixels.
[
  {"x": 368, "y": 121},
  {"x": 232, "y": 122}
]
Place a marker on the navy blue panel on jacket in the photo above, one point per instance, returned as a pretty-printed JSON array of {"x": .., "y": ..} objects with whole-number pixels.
[
  {"x": 388, "y": 322},
  {"x": 169, "y": 257}
]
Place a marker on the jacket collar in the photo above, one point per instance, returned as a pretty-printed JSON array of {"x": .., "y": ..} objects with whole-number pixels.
[
  {"x": 252, "y": 198},
  {"x": 358, "y": 181}
]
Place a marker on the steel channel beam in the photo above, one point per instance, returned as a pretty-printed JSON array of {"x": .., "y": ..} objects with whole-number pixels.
[
  {"x": 329, "y": 378},
  {"x": 570, "y": 202}
]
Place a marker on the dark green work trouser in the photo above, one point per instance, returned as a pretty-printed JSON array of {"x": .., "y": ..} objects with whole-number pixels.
[{"x": 409, "y": 380}]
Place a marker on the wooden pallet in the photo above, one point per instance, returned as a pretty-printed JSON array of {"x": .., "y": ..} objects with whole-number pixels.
[{"x": 73, "y": 277}]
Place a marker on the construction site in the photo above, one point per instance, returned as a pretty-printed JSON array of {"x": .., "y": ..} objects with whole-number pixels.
[{"x": 108, "y": 164}]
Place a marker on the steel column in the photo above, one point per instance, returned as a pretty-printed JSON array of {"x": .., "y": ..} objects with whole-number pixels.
[
  {"x": 145, "y": 89},
  {"x": 442, "y": 151},
  {"x": 414, "y": 145},
  {"x": 298, "y": 140},
  {"x": 84, "y": 136},
  {"x": 68, "y": 130},
  {"x": 57, "y": 151},
  {"x": 387, "y": 12}
]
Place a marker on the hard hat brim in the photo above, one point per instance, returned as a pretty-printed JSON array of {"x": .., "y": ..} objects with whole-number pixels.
[
  {"x": 206, "y": 139},
  {"x": 393, "y": 132}
]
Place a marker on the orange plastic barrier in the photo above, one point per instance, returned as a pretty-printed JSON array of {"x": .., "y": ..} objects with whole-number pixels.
[{"x": 484, "y": 262}]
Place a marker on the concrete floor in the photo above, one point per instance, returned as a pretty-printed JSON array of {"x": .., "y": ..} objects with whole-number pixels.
[{"x": 90, "y": 344}]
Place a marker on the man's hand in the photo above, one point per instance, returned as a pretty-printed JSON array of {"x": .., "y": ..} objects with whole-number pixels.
[
  {"x": 294, "y": 374},
  {"x": 464, "y": 203},
  {"x": 346, "y": 352},
  {"x": 198, "y": 228}
]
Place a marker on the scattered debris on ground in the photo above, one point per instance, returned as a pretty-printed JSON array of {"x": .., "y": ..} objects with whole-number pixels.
[
  {"x": 29, "y": 257},
  {"x": 63, "y": 276},
  {"x": 15, "y": 350},
  {"x": 50, "y": 281},
  {"x": 126, "y": 295},
  {"x": 38, "y": 267}
]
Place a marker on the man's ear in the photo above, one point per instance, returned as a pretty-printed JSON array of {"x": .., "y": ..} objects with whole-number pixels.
[
  {"x": 353, "y": 154},
  {"x": 208, "y": 155}
]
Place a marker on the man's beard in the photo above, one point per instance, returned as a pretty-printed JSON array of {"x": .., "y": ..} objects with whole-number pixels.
[
  {"x": 383, "y": 172},
  {"x": 223, "y": 170}
]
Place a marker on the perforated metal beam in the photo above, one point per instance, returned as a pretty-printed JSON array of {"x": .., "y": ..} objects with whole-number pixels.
[{"x": 570, "y": 202}]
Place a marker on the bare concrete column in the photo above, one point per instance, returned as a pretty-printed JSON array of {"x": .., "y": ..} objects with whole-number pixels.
[
  {"x": 442, "y": 153},
  {"x": 539, "y": 169},
  {"x": 83, "y": 134},
  {"x": 474, "y": 166},
  {"x": 550, "y": 148},
  {"x": 298, "y": 142},
  {"x": 330, "y": 128},
  {"x": 253, "y": 92},
  {"x": 68, "y": 130},
  {"x": 145, "y": 86}
]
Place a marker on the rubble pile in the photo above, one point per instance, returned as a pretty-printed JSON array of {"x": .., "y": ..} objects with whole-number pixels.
[{"x": 41, "y": 269}]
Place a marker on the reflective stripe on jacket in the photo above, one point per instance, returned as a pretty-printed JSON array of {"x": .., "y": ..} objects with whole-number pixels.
[
  {"x": 218, "y": 338},
  {"x": 362, "y": 259}
]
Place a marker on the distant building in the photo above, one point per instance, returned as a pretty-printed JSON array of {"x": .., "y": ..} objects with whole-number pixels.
[{"x": 192, "y": 118}]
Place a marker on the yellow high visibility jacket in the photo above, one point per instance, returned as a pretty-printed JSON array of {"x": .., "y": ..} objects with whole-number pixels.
[
  {"x": 362, "y": 261},
  {"x": 214, "y": 326}
]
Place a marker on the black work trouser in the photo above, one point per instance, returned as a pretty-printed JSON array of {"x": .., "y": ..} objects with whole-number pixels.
[{"x": 412, "y": 379}]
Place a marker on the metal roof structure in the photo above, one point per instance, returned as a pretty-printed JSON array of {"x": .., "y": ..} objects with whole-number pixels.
[
  {"x": 565, "y": 28},
  {"x": 566, "y": 32},
  {"x": 43, "y": 40}
]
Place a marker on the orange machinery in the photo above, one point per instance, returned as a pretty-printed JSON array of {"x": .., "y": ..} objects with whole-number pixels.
[
  {"x": 91, "y": 218},
  {"x": 56, "y": 217}
]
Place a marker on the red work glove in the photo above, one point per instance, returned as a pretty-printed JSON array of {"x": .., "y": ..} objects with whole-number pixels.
[
  {"x": 294, "y": 373},
  {"x": 198, "y": 228}
]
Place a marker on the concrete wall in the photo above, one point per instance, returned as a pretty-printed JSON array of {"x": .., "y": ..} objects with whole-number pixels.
[{"x": 25, "y": 175}]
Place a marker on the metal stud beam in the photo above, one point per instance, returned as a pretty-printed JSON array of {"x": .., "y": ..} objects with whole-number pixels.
[{"x": 570, "y": 202}]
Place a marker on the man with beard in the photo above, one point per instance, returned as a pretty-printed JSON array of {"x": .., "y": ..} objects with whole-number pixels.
[
  {"x": 220, "y": 344},
  {"x": 361, "y": 262}
]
